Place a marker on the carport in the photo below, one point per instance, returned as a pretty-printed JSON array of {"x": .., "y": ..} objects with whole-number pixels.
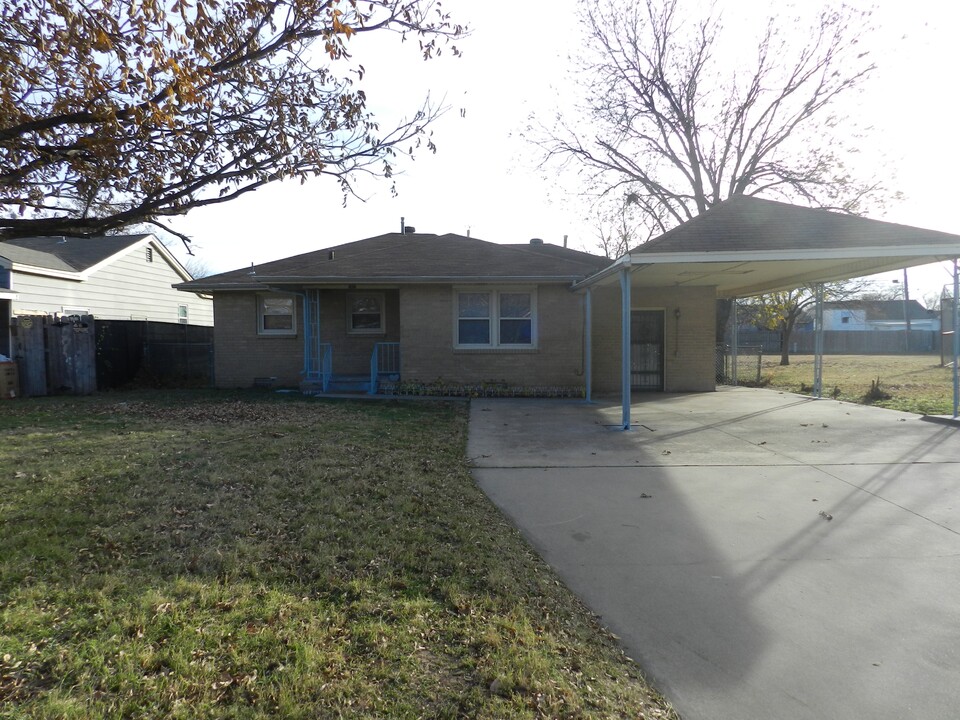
[{"x": 745, "y": 246}]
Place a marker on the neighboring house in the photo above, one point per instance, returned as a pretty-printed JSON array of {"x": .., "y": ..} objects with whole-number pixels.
[
  {"x": 449, "y": 310},
  {"x": 116, "y": 277},
  {"x": 882, "y": 315}
]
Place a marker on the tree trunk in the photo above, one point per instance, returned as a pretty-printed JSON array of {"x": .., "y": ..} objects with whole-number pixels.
[{"x": 786, "y": 330}]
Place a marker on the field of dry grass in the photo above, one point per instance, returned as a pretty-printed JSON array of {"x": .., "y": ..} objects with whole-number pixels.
[{"x": 914, "y": 383}]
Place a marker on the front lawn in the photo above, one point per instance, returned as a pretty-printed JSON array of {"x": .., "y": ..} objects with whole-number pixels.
[{"x": 212, "y": 555}]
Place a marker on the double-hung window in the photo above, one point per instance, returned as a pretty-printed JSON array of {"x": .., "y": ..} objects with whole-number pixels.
[
  {"x": 365, "y": 314},
  {"x": 276, "y": 314},
  {"x": 495, "y": 318}
]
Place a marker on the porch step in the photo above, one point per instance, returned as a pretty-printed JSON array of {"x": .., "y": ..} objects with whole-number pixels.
[
  {"x": 349, "y": 384},
  {"x": 346, "y": 384}
]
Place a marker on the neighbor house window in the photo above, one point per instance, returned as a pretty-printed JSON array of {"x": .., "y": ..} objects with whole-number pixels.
[
  {"x": 276, "y": 315},
  {"x": 183, "y": 314},
  {"x": 365, "y": 313},
  {"x": 495, "y": 318},
  {"x": 845, "y": 319}
]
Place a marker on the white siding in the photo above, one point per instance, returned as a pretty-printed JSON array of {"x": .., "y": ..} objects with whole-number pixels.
[{"x": 130, "y": 288}]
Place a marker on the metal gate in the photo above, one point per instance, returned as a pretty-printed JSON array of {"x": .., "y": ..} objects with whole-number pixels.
[{"x": 646, "y": 349}]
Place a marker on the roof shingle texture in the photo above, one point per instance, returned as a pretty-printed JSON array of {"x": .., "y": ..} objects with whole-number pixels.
[
  {"x": 69, "y": 254},
  {"x": 743, "y": 224},
  {"x": 413, "y": 257}
]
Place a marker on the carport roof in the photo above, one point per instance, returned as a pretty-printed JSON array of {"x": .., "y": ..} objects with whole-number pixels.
[{"x": 746, "y": 246}]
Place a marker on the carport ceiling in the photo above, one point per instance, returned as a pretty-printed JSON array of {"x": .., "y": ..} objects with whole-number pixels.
[{"x": 746, "y": 246}]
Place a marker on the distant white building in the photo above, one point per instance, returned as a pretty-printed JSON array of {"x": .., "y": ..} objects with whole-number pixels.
[{"x": 867, "y": 315}]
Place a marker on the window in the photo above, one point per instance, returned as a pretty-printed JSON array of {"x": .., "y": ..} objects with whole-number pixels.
[
  {"x": 276, "y": 315},
  {"x": 182, "y": 314},
  {"x": 495, "y": 318},
  {"x": 365, "y": 314},
  {"x": 845, "y": 319}
]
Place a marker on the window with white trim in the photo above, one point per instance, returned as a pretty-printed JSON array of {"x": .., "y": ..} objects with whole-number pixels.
[
  {"x": 276, "y": 314},
  {"x": 183, "y": 314},
  {"x": 365, "y": 314},
  {"x": 495, "y": 318}
]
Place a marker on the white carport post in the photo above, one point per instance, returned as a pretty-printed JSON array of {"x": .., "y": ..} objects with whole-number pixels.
[
  {"x": 818, "y": 341},
  {"x": 956, "y": 339},
  {"x": 588, "y": 340},
  {"x": 734, "y": 343},
  {"x": 625, "y": 345}
]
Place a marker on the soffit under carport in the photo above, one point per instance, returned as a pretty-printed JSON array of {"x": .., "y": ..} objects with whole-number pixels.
[{"x": 746, "y": 276}]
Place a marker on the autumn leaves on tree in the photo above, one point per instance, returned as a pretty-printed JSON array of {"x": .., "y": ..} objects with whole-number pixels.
[{"x": 115, "y": 112}]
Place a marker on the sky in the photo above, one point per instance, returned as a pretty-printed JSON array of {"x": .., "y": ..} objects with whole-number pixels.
[{"x": 484, "y": 180}]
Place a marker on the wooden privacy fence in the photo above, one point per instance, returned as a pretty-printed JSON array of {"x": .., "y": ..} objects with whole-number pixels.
[{"x": 55, "y": 354}]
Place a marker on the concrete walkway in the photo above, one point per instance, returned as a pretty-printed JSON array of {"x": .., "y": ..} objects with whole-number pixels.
[{"x": 761, "y": 555}]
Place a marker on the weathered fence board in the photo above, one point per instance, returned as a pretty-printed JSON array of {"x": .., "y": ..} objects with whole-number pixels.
[
  {"x": 30, "y": 352},
  {"x": 55, "y": 355}
]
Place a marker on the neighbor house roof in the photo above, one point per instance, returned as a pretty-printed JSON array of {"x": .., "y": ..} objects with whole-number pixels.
[
  {"x": 747, "y": 246},
  {"x": 883, "y": 309},
  {"x": 66, "y": 253},
  {"x": 397, "y": 258}
]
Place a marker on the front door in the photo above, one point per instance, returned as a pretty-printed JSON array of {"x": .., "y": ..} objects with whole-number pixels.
[{"x": 646, "y": 349}]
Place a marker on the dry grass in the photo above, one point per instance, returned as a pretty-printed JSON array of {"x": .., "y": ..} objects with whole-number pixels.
[
  {"x": 210, "y": 555},
  {"x": 915, "y": 383}
]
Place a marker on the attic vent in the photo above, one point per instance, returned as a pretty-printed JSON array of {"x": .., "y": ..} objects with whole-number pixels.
[
  {"x": 149, "y": 254},
  {"x": 332, "y": 255},
  {"x": 536, "y": 241},
  {"x": 409, "y": 230}
]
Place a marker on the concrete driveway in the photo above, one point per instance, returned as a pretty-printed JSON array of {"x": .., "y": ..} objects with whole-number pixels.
[{"x": 760, "y": 554}]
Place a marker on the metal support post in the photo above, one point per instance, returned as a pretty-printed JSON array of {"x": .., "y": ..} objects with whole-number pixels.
[
  {"x": 818, "y": 342},
  {"x": 588, "y": 340},
  {"x": 625, "y": 346}
]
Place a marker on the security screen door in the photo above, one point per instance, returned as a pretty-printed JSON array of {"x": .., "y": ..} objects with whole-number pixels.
[{"x": 646, "y": 349}]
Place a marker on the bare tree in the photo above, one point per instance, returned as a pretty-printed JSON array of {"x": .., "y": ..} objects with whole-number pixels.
[
  {"x": 671, "y": 124},
  {"x": 781, "y": 310},
  {"x": 115, "y": 112}
]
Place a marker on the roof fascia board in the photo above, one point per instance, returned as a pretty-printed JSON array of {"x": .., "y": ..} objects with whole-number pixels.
[
  {"x": 945, "y": 250},
  {"x": 609, "y": 271},
  {"x": 46, "y": 272},
  {"x": 417, "y": 280}
]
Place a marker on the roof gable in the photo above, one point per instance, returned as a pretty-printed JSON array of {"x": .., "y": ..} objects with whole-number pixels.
[{"x": 67, "y": 253}]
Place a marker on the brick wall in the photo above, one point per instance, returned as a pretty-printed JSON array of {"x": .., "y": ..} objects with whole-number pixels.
[
  {"x": 427, "y": 332},
  {"x": 689, "y": 344},
  {"x": 241, "y": 355}
]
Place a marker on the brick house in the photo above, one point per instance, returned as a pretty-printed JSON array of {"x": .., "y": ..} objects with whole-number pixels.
[{"x": 448, "y": 310}]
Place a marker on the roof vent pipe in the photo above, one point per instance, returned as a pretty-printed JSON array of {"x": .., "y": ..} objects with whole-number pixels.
[
  {"x": 402, "y": 225},
  {"x": 536, "y": 241},
  {"x": 564, "y": 240}
]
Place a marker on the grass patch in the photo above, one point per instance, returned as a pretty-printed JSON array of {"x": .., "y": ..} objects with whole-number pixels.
[
  {"x": 911, "y": 383},
  {"x": 214, "y": 555}
]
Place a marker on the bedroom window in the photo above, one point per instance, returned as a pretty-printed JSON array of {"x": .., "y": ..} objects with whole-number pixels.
[
  {"x": 276, "y": 315},
  {"x": 495, "y": 318},
  {"x": 365, "y": 314}
]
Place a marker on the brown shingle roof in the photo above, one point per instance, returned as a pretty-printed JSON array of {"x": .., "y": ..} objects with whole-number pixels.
[
  {"x": 745, "y": 223},
  {"x": 66, "y": 253},
  {"x": 417, "y": 257}
]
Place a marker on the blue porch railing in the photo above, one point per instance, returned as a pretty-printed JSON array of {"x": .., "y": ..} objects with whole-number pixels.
[{"x": 384, "y": 360}]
